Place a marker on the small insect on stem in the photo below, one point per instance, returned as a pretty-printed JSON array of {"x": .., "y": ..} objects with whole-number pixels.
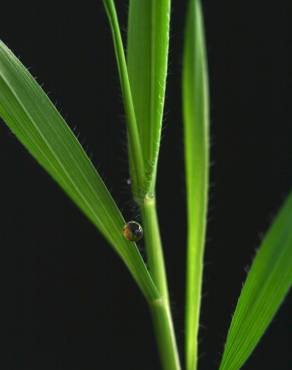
[{"x": 133, "y": 231}]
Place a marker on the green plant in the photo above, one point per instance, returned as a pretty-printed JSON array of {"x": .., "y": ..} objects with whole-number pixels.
[{"x": 36, "y": 123}]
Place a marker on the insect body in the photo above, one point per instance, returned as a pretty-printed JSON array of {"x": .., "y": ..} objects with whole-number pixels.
[{"x": 133, "y": 231}]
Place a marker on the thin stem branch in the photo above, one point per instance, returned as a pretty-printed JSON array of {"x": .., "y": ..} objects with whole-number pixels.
[
  {"x": 160, "y": 309},
  {"x": 135, "y": 147}
]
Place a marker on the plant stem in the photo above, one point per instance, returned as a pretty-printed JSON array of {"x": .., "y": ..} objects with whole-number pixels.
[
  {"x": 160, "y": 308},
  {"x": 135, "y": 151}
]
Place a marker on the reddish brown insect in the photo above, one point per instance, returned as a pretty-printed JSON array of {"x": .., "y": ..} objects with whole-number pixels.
[{"x": 133, "y": 231}]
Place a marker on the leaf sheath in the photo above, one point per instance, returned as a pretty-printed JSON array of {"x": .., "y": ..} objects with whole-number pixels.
[{"x": 147, "y": 57}]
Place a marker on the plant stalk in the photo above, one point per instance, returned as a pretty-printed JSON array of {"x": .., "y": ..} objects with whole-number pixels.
[
  {"x": 135, "y": 151},
  {"x": 160, "y": 308}
]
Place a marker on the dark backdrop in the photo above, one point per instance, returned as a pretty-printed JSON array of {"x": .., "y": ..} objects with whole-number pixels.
[{"x": 69, "y": 302}]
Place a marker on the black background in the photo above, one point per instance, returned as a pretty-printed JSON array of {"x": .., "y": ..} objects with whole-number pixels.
[{"x": 68, "y": 301}]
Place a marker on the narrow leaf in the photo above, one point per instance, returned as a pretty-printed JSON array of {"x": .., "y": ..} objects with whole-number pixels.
[
  {"x": 196, "y": 141},
  {"x": 136, "y": 159},
  {"x": 34, "y": 120},
  {"x": 147, "y": 54},
  {"x": 267, "y": 283}
]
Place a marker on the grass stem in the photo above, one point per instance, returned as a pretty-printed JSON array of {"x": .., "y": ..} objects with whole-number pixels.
[{"x": 160, "y": 309}]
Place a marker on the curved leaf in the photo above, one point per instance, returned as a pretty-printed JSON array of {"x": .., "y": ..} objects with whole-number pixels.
[
  {"x": 267, "y": 283},
  {"x": 37, "y": 124}
]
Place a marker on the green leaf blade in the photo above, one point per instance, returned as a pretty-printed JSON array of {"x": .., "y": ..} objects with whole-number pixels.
[
  {"x": 136, "y": 159},
  {"x": 37, "y": 124},
  {"x": 147, "y": 57},
  {"x": 265, "y": 288},
  {"x": 196, "y": 141}
]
